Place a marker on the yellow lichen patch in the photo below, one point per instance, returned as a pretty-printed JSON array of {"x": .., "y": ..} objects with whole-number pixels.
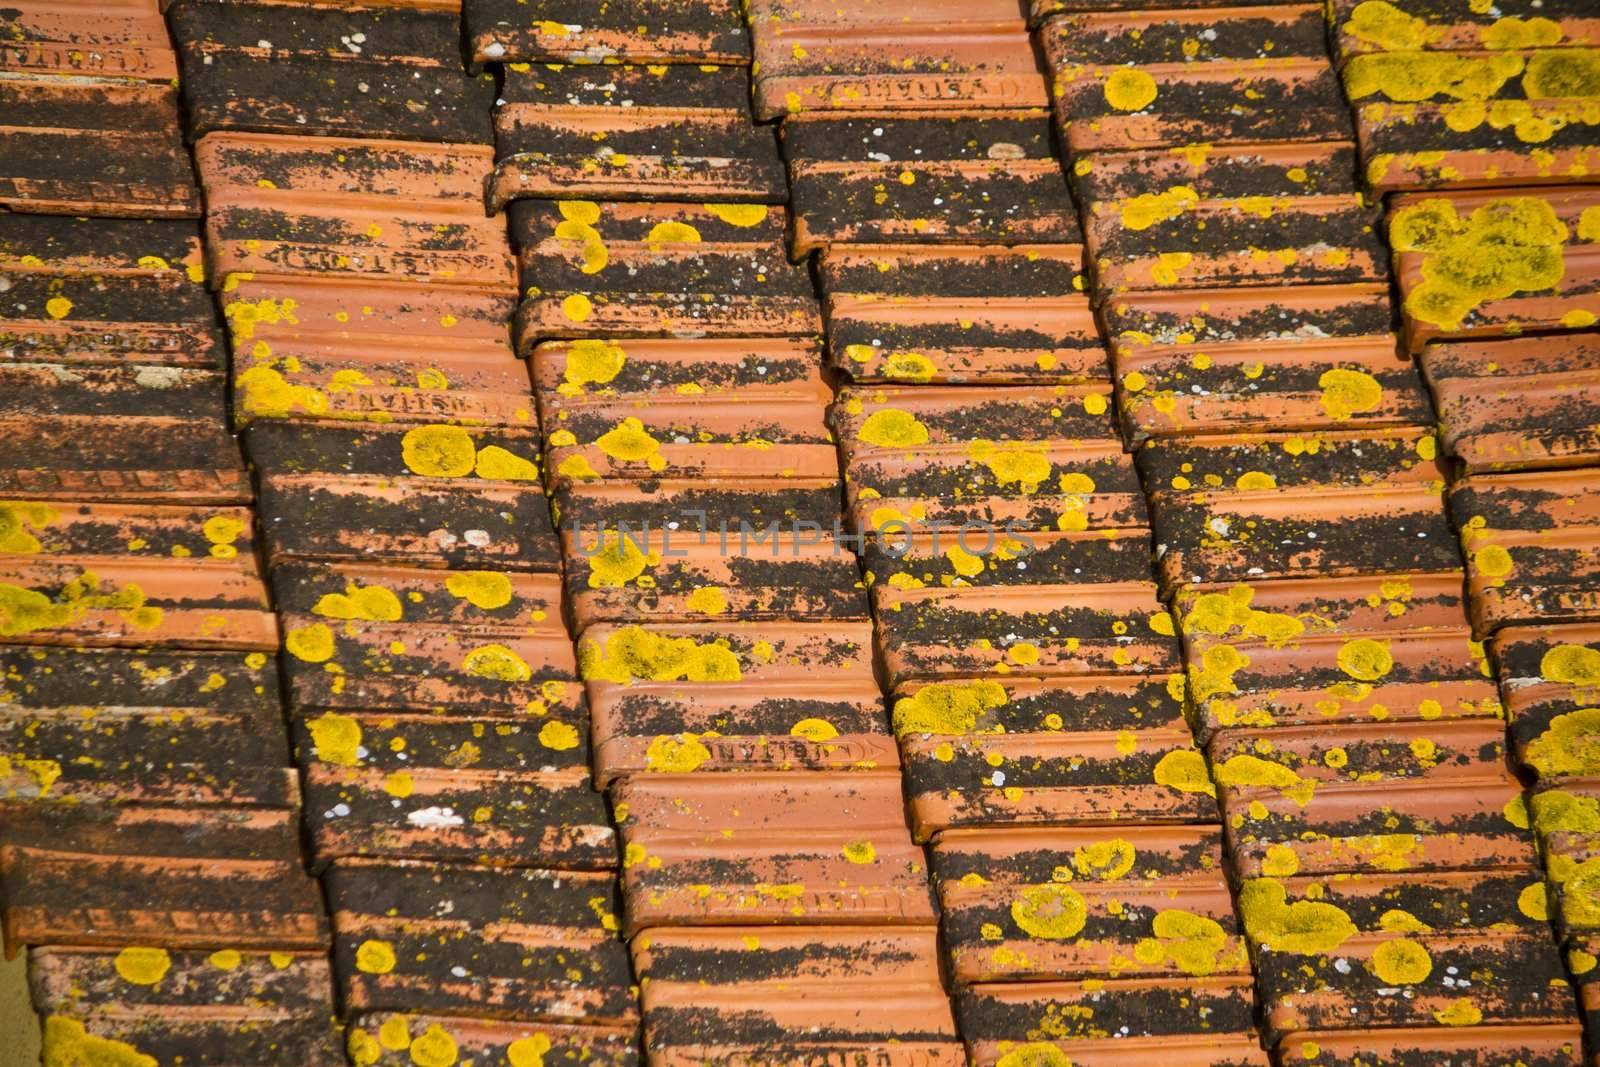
[
  {"x": 584, "y": 212},
  {"x": 375, "y": 957},
  {"x": 1145, "y": 210},
  {"x": 370, "y": 602},
  {"x": 741, "y": 215},
  {"x": 629, "y": 442},
  {"x": 1193, "y": 943},
  {"x": 892, "y": 428},
  {"x": 141, "y": 965},
  {"x": 26, "y": 610},
  {"x": 1557, "y": 810},
  {"x": 1507, "y": 246},
  {"x": 336, "y": 739},
  {"x": 909, "y": 367},
  {"x": 1413, "y": 77},
  {"x": 591, "y": 362},
  {"x": 859, "y": 852},
  {"x": 1012, "y": 462},
  {"x": 496, "y": 662},
  {"x": 1166, "y": 269},
  {"x": 676, "y": 754},
  {"x": 963, "y": 562},
  {"x": 673, "y": 233},
  {"x": 399, "y": 784},
  {"x": 1244, "y": 771},
  {"x": 1213, "y": 676},
  {"x": 707, "y": 600},
  {"x": 1219, "y": 614},
  {"x": 1306, "y": 927},
  {"x": 1034, "y": 1054},
  {"x": 1576, "y": 665},
  {"x": 226, "y": 959},
  {"x": 1280, "y": 861},
  {"x": 1534, "y": 902},
  {"x": 245, "y": 315},
  {"x": 1563, "y": 74},
  {"x": 1401, "y": 962},
  {"x": 1512, "y": 34},
  {"x": 18, "y": 521},
  {"x": 395, "y": 1033},
  {"x": 634, "y": 653},
  {"x": 482, "y": 589},
  {"x": 434, "y": 1048},
  {"x": 1492, "y": 561},
  {"x": 947, "y": 707},
  {"x": 577, "y": 307},
  {"x": 528, "y": 1051},
  {"x": 58, "y": 307},
  {"x": 313, "y": 643},
  {"x": 1459, "y": 1012},
  {"x": 814, "y": 730},
  {"x": 1391, "y": 29},
  {"x": 501, "y": 465},
  {"x": 617, "y": 562},
  {"x": 558, "y": 736},
  {"x": 1255, "y": 481},
  {"x": 1050, "y": 911},
  {"x": 1569, "y": 746},
  {"x": 1104, "y": 860},
  {"x": 438, "y": 451},
  {"x": 66, "y": 1043},
  {"x": 1365, "y": 659},
  {"x": 1348, "y": 392},
  {"x": 262, "y": 390},
  {"x": 1128, "y": 89},
  {"x": 1184, "y": 770}
]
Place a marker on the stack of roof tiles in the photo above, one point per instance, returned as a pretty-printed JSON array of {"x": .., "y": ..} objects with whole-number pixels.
[
  {"x": 1482, "y": 125},
  {"x": 149, "y": 814},
  {"x": 1075, "y": 640}
]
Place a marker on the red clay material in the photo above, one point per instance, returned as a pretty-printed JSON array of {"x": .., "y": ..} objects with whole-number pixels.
[
  {"x": 94, "y": 147},
  {"x": 733, "y": 696},
  {"x": 960, "y": 314},
  {"x": 1333, "y": 651},
  {"x": 104, "y": 574},
  {"x": 433, "y": 495},
  {"x": 1532, "y": 543},
  {"x": 725, "y": 996},
  {"x": 657, "y": 270},
  {"x": 537, "y": 946},
  {"x": 1280, "y": 505},
  {"x": 741, "y": 511},
  {"x": 1087, "y": 903},
  {"x": 826, "y": 847},
  {"x": 1047, "y": 752},
  {"x": 1518, "y": 403},
  {"x": 940, "y": 55},
  {"x": 1532, "y": 1046},
  {"x": 987, "y": 177},
  {"x": 1099, "y": 1023},
  {"x": 636, "y": 31},
  {"x": 668, "y": 131},
  {"x": 87, "y": 38},
  {"x": 1126, "y": 80},
  {"x": 398, "y": 1040},
  {"x": 177, "y": 1006},
  {"x": 1550, "y": 281},
  {"x": 1550, "y": 679},
  {"x": 330, "y": 205},
  {"x": 179, "y": 877}
]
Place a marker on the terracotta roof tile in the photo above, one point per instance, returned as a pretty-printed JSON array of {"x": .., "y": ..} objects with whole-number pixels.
[
  {"x": 697, "y": 505},
  {"x": 1288, "y": 652},
  {"x": 1096, "y": 1021},
  {"x": 657, "y": 270},
  {"x": 935, "y": 56},
  {"x": 1045, "y": 752},
  {"x": 1447, "y": 801},
  {"x": 766, "y": 848},
  {"x": 638, "y": 31},
  {"x": 1167, "y": 219},
  {"x": 361, "y": 70},
  {"x": 1547, "y": 679},
  {"x": 1428, "y": 26},
  {"x": 323, "y": 206},
  {"x": 435, "y": 495},
  {"x": 179, "y": 877},
  {"x": 630, "y": 132},
  {"x": 1520, "y": 402},
  {"x": 960, "y": 314},
  {"x": 1282, "y": 505},
  {"x": 81, "y": 147},
  {"x": 223, "y": 1006},
  {"x": 1536, "y": 1046},
  {"x": 951, "y": 178},
  {"x": 1040, "y": 10},
  {"x": 1128, "y": 80},
  {"x": 87, "y": 38},
  {"x": 733, "y": 993},
  {"x": 526, "y": 945},
  {"x": 1133, "y": 888},
  {"x": 765, "y": 696},
  {"x": 485, "y": 1040},
  {"x": 1548, "y": 284},
  {"x": 1532, "y": 543}
]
